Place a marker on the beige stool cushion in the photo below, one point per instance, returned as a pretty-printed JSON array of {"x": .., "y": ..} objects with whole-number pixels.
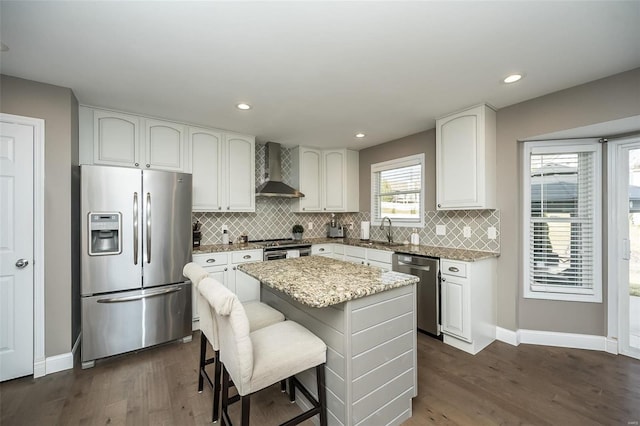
[
  {"x": 261, "y": 358},
  {"x": 259, "y": 314}
]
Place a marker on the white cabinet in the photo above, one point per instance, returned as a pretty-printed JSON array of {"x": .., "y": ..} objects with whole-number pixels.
[
  {"x": 368, "y": 256},
  {"x": 466, "y": 159},
  {"x": 240, "y": 173},
  {"x": 328, "y": 178},
  {"x": 306, "y": 172},
  {"x": 325, "y": 250},
  {"x": 224, "y": 268},
  {"x": 223, "y": 169},
  {"x": 127, "y": 140},
  {"x": 468, "y": 303}
]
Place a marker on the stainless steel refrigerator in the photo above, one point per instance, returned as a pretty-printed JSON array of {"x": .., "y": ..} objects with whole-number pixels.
[{"x": 136, "y": 238}]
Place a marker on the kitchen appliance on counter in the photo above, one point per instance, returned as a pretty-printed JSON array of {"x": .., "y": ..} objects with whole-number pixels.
[
  {"x": 428, "y": 289},
  {"x": 135, "y": 239},
  {"x": 336, "y": 231},
  {"x": 283, "y": 249}
]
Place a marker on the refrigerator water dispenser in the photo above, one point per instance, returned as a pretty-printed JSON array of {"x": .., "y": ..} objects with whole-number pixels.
[{"x": 105, "y": 233}]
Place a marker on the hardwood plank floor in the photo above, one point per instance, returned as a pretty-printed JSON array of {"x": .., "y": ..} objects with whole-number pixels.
[{"x": 503, "y": 384}]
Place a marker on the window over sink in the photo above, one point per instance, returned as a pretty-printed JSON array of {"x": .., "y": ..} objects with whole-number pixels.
[{"x": 397, "y": 191}]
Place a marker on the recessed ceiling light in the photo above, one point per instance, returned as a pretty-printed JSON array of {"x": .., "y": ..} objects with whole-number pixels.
[
  {"x": 243, "y": 106},
  {"x": 360, "y": 135},
  {"x": 3, "y": 47},
  {"x": 512, "y": 78}
]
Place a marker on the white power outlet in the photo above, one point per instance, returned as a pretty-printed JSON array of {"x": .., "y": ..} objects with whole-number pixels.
[
  {"x": 441, "y": 229},
  {"x": 310, "y": 226},
  {"x": 466, "y": 231},
  {"x": 224, "y": 228},
  {"x": 491, "y": 233},
  {"x": 350, "y": 225}
]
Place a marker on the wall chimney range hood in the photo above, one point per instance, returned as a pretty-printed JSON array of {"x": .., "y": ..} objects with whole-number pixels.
[{"x": 274, "y": 187}]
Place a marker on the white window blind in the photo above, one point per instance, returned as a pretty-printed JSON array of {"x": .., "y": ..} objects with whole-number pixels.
[
  {"x": 397, "y": 190},
  {"x": 562, "y": 221}
]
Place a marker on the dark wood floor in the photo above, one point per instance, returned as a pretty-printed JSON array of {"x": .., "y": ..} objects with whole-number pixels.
[{"x": 503, "y": 384}]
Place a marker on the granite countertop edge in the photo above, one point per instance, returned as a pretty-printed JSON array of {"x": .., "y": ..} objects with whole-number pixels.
[{"x": 464, "y": 255}]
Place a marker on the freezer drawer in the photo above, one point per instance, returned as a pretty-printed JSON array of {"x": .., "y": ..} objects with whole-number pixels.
[{"x": 121, "y": 322}]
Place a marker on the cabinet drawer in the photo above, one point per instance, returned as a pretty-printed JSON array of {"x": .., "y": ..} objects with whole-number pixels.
[
  {"x": 355, "y": 251},
  {"x": 246, "y": 256},
  {"x": 379, "y": 255},
  {"x": 211, "y": 259},
  {"x": 322, "y": 249},
  {"x": 452, "y": 267}
]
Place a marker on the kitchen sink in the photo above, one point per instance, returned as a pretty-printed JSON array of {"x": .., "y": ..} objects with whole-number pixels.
[{"x": 384, "y": 243}]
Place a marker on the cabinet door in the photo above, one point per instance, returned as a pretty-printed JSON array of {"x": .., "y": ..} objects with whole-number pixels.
[
  {"x": 164, "y": 146},
  {"x": 116, "y": 139},
  {"x": 206, "y": 169},
  {"x": 247, "y": 287},
  {"x": 240, "y": 170},
  {"x": 334, "y": 180},
  {"x": 310, "y": 180},
  {"x": 456, "y": 308}
]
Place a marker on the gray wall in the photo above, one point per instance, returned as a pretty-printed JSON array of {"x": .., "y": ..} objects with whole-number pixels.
[
  {"x": 58, "y": 106},
  {"x": 423, "y": 142},
  {"x": 603, "y": 100}
]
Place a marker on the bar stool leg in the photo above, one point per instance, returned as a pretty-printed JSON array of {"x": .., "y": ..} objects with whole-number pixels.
[
  {"x": 322, "y": 395},
  {"x": 225, "y": 397},
  {"x": 203, "y": 354},
  {"x": 216, "y": 388},
  {"x": 292, "y": 390},
  {"x": 246, "y": 409},
  {"x": 283, "y": 385}
]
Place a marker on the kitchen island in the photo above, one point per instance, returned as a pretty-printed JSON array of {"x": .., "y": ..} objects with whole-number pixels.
[{"x": 366, "y": 317}]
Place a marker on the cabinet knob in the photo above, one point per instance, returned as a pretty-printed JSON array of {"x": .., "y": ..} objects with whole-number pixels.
[
  {"x": 443, "y": 279},
  {"x": 325, "y": 208},
  {"x": 136, "y": 164},
  {"x": 234, "y": 268},
  {"x": 362, "y": 262},
  {"x": 211, "y": 260},
  {"x": 148, "y": 165},
  {"x": 228, "y": 207},
  {"x": 226, "y": 269},
  {"x": 220, "y": 208},
  {"x": 439, "y": 205},
  {"x": 304, "y": 208}
]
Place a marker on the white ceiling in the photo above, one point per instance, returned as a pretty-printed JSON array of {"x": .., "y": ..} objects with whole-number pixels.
[{"x": 315, "y": 72}]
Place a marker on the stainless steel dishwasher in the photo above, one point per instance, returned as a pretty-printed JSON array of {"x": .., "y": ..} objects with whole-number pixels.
[{"x": 428, "y": 289}]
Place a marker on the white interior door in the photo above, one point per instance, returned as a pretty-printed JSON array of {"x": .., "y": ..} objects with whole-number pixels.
[
  {"x": 628, "y": 206},
  {"x": 16, "y": 250}
]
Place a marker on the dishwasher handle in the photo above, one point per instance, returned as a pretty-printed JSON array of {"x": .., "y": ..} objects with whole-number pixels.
[{"x": 421, "y": 268}]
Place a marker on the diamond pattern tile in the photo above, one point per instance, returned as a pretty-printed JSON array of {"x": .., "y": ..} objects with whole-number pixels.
[{"x": 274, "y": 219}]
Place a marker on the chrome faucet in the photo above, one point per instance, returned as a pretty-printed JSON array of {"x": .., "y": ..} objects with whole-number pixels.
[{"x": 389, "y": 231}]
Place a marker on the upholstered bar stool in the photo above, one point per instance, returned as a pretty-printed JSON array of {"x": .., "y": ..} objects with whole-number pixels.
[
  {"x": 257, "y": 359},
  {"x": 259, "y": 315}
]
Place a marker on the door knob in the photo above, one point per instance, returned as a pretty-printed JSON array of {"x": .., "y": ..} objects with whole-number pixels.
[{"x": 22, "y": 263}]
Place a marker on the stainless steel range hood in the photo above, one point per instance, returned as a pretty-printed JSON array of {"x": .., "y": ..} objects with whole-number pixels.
[{"x": 274, "y": 187}]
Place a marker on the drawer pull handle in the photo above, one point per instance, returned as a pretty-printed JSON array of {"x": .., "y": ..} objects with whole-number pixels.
[
  {"x": 321, "y": 249},
  {"x": 211, "y": 260},
  {"x": 453, "y": 269},
  {"x": 246, "y": 256}
]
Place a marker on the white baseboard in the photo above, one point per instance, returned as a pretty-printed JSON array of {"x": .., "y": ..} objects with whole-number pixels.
[
  {"x": 508, "y": 336},
  {"x": 40, "y": 368},
  {"x": 53, "y": 364},
  {"x": 552, "y": 338}
]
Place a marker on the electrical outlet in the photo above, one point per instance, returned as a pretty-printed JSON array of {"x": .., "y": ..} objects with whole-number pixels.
[
  {"x": 441, "y": 229},
  {"x": 310, "y": 226},
  {"x": 491, "y": 233},
  {"x": 466, "y": 231},
  {"x": 224, "y": 228},
  {"x": 350, "y": 225}
]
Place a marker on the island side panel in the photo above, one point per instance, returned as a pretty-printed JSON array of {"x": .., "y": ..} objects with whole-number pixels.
[
  {"x": 383, "y": 365},
  {"x": 329, "y": 325}
]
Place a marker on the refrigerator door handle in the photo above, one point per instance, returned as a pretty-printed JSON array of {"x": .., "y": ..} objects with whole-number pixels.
[
  {"x": 148, "y": 211},
  {"x": 135, "y": 228},
  {"x": 139, "y": 296}
]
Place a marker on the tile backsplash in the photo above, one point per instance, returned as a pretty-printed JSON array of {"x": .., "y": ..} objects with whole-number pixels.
[{"x": 273, "y": 219}]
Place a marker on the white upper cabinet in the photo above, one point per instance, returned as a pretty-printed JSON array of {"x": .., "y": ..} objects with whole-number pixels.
[
  {"x": 465, "y": 159},
  {"x": 164, "y": 147},
  {"x": 206, "y": 168},
  {"x": 241, "y": 172},
  {"x": 127, "y": 140},
  {"x": 306, "y": 172},
  {"x": 328, "y": 178},
  {"x": 116, "y": 139}
]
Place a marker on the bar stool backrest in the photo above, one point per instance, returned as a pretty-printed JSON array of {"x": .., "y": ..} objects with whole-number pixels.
[
  {"x": 208, "y": 326},
  {"x": 236, "y": 348}
]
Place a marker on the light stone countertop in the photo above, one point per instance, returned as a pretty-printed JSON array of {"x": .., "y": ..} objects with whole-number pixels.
[
  {"x": 319, "y": 281},
  {"x": 431, "y": 251}
]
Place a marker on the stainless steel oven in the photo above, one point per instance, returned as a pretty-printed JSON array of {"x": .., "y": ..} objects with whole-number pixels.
[{"x": 283, "y": 249}]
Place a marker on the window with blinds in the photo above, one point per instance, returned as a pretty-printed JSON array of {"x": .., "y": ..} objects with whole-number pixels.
[
  {"x": 397, "y": 191},
  {"x": 562, "y": 221}
]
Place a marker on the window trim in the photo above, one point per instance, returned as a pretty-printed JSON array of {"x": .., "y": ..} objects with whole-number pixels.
[
  {"x": 396, "y": 163},
  {"x": 593, "y": 295}
]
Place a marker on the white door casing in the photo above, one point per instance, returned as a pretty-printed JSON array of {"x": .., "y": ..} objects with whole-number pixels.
[{"x": 16, "y": 248}]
